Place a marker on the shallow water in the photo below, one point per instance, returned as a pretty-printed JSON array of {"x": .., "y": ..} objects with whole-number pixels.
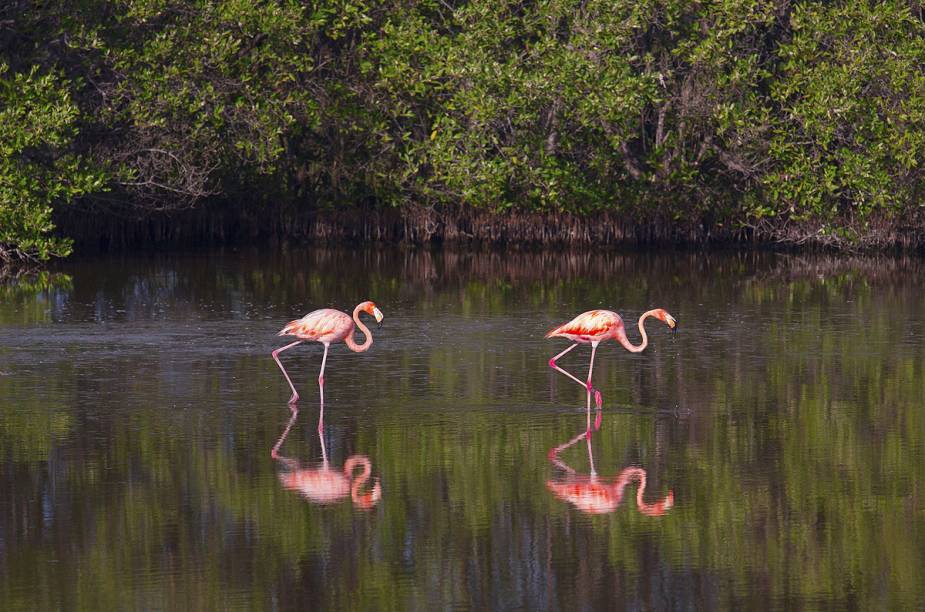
[{"x": 781, "y": 432}]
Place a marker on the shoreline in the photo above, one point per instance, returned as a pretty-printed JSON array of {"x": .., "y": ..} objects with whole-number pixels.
[{"x": 229, "y": 225}]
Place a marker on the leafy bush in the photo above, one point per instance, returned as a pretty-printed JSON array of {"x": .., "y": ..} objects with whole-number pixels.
[
  {"x": 37, "y": 169},
  {"x": 742, "y": 114}
]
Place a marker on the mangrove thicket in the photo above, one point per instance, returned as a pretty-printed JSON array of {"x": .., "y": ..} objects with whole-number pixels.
[{"x": 800, "y": 121}]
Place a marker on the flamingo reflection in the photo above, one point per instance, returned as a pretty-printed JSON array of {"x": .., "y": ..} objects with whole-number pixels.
[
  {"x": 324, "y": 485},
  {"x": 595, "y": 495}
]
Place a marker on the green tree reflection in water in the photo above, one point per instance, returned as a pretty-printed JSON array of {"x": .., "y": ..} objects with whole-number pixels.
[{"x": 140, "y": 407}]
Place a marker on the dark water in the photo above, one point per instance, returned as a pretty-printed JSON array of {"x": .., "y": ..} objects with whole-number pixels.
[{"x": 781, "y": 433}]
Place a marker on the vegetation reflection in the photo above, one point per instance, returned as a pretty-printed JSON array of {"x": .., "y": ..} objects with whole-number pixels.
[{"x": 135, "y": 467}]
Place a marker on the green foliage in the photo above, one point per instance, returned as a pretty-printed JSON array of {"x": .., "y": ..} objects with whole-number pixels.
[
  {"x": 851, "y": 132},
  {"x": 37, "y": 168},
  {"x": 740, "y": 110},
  {"x": 738, "y": 113},
  {"x": 203, "y": 93}
]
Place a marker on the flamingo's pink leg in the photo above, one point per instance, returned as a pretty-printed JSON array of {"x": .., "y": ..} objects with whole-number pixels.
[
  {"x": 553, "y": 454},
  {"x": 321, "y": 387},
  {"x": 591, "y": 457},
  {"x": 274, "y": 453},
  {"x": 554, "y": 366},
  {"x": 596, "y": 396},
  {"x": 295, "y": 394},
  {"x": 324, "y": 451}
]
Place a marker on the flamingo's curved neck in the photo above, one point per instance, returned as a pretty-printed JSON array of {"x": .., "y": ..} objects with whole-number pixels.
[
  {"x": 622, "y": 339},
  {"x": 639, "y": 475},
  {"x": 350, "y": 342},
  {"x": 367, "y": 500},
  {"x": 623, "y": 479}
]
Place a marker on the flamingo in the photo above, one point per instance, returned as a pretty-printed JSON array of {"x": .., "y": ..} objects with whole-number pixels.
[
  {"x": 593, "y": 327},
  {"x": 592, "y": 495},
  {"x": 324, "y": 485},
  {"x": 327, "y": 326}
]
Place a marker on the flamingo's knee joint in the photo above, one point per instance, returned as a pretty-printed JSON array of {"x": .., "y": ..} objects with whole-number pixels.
[{"x": 552, "y": 363}]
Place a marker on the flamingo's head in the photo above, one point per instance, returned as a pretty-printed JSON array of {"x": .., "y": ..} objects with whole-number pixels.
[
  {"x": 662, "y": 315},
  {"x": 368, "y": 500},
  {"x": 658, "y": 508},
  {"x": 371, "y": 309}
]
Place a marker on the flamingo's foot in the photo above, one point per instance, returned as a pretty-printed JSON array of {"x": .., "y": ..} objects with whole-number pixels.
[
  {"x": 597, "y": 420},
  {"x": 598, "y": 399},
  {"x": 294, "y": 398}
]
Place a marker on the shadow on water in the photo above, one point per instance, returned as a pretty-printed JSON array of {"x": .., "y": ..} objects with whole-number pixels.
[{"x": 139, "y": 398}]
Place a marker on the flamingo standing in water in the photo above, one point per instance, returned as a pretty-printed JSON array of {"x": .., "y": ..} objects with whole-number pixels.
[
  {"x": 593, "y": 327},
  {"x": 327, "y": 326},
  {"x": 324, "y": 485},
  {"x": 593, "y": 495}
]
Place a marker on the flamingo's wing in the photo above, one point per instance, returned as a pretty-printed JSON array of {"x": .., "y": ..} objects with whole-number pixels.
[
  {"x": 317, "y": 324},
  {"x": 320, "y": 486},
  {"x": 593, "y": 498},
  {"x": 588, "y": 324}
]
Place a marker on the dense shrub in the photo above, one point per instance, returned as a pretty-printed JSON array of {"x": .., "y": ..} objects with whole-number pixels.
[
  {"x": 37, "y": 170},
  {"x": 800, "y": 120}
]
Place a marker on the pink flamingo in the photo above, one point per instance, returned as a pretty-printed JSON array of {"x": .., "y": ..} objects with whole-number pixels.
[
  {"x": 590, "y": 494},
  {"x": 593, "y": 327},
  {"x": 326, "y": 326},
  {"x": 324, "y": 485}
]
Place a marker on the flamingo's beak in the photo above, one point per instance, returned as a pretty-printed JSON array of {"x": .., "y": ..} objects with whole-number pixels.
[
  {"x": 671, "y": 321},
  {"x": 378, "y": 314}
]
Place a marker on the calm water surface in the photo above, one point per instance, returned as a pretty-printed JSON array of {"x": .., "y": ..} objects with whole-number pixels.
[{"x": 148, "y": 459}]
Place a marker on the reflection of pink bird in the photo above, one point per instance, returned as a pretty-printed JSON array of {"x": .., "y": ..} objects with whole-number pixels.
[
  {"x": 324, "y": 485},
  {"x": 595, "y": 326},
  {"x": 590, "y": 495},
  {"x": 593, "y": 495},
  {"x": 326, "y": 326}
]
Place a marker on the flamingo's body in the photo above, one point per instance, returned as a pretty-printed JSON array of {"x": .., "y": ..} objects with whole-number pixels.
[
  {"x": 591, "y": 326},
  {"x": 595, "y": 326},
  {"x": 327, "y": 326}
]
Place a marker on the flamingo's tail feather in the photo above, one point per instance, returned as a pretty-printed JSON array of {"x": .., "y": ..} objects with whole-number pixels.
[{"x": 286, "y": 331}]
